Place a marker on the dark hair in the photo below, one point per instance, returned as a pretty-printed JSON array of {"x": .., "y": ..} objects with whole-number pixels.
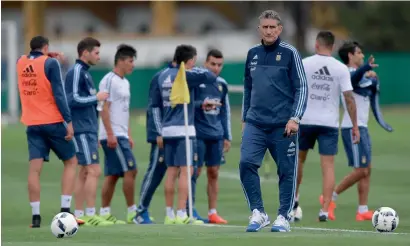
[
  {"x": 326, "y": 38},
  {"x": 87, "y": 44},
  {"x": 184, "y": 52},
  {"x": 124, "y": 51},
  {"x": 38, "y": 42},
  {"x": 346, "y": 48},
  {"x": 214, "y": 53}
]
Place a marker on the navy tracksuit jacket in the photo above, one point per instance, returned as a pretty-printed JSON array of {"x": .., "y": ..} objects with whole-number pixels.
[{"x": 275, "y": 89}]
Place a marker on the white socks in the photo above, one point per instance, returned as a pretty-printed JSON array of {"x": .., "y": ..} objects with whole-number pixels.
[
  {"x": 170, "y": 212},
  {"x": 90, "y": 211},
  {"x": 212, "y": 211},
  {"x": 133, "y": 208},
  {"x": 105, "y": 211},
  {"x": 35, "y": 208},
  {"x": 334, "y": 196},
  {"x": 323, "y": 213},
  {"x": 78, "y": 213},
  {"x": 362, "y": 209},
  {"x": 66, "y": 201},
  {"x": 181, "y": 213}
]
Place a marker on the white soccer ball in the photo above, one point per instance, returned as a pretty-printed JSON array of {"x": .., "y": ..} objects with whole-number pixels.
[
  {"x": 296, "y": 214},
  {"x": 64, "y": 225},
  {"x": 385, "y": 219}
]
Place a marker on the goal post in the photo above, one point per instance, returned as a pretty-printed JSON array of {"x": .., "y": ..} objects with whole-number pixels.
[{"x": 9, "y": 30}]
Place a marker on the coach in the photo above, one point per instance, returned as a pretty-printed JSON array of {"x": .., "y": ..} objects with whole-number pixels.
[{"x": 275, "y": 91}]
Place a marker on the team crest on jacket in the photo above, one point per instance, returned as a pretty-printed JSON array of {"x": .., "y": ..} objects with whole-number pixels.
[
  {"x": 161, "y": 159},
  {"x": 220, "y": 88},
  {"x": 130, "y": 163},
  {"x": 278, "y": 57},
  {"x": 93, "y": 91}
]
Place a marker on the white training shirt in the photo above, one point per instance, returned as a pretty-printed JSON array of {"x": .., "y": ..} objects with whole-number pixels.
[
  {"x": 327, "y": 78},
  {"x": 363, "y": 108},
  {"x": 119, "y": 97}
]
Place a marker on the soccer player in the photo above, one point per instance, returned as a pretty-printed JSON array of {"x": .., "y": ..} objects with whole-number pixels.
[
  {"x": 365, "y": 89},
  {"x": 157, "y": 167},
  {"x": 47, "y": 116},
  {"x": 115, "y": 135},
  {"x": 327, "y": 78},
  {"x": 173, "y": 129},
  {"x": 213, "y": 132},
  {"x": 82, "y": 99},
  {"x": 275, "y": 94}
]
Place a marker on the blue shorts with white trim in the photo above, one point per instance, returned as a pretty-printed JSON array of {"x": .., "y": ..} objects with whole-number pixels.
[
  {"x": 359, "y": 155},
  {"x": 118, "y": 160},
  {"x": 86, "y": 146}
]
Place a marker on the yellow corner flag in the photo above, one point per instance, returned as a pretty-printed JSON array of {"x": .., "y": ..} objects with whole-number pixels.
[{"x": 179, "y": 90}]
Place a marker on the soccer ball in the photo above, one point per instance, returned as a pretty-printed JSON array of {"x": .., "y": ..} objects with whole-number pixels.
[
  {"x": 64, "y": 225},
  {"x": 296, "y": 214},
  {"x": 385, "y": 219}
]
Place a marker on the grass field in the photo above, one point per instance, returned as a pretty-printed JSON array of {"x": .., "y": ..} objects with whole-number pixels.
[{"x": 390, "y": 187}]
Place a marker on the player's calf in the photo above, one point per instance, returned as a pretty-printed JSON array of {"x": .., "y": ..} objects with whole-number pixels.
[
  {"x": 128, "y": 188},
  {"x": 213, "y": 189},
  {"x": 169, "y": 190}
]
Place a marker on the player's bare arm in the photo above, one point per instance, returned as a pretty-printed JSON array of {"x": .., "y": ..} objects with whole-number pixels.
[
  {"x": 351, "y": 109},
  {"x": 105, "y": 116},
  {"x": 130, "y": 140}
]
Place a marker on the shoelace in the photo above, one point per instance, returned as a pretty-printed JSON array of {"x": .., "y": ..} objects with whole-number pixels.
[
  {"x": 281, "y": 221},
  {"x": 256, "y": 217}
]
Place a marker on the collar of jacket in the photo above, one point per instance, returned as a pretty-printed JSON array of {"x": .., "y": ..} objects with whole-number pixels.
[
  {"x": 83, "y": 64},
  {"x": 271, "y": 46},
  {"x": 36, "y": 53}
]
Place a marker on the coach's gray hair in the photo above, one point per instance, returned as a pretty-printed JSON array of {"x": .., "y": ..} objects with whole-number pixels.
[{"x": 270, "y": 14}]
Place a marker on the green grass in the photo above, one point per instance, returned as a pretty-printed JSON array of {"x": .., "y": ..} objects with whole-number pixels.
[{"x": 390, "y": 187}]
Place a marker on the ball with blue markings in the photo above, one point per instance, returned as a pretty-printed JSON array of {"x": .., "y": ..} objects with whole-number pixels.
[
  {"x": 64, "y": 225},
  {"x": 385, "y": 219}
]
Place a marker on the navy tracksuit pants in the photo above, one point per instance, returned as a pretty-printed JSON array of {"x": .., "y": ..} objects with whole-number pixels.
[
  {"x": 153, "y": 177},
  {"x": 284, "y": 150}
]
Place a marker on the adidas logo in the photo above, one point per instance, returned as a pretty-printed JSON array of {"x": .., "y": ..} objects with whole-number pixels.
[
  {"x": 323, "y": 74},
  {"x": 255, "y": 57},
  {"x": 292, "y": 144},
  {"x": 28, "y": 72}
]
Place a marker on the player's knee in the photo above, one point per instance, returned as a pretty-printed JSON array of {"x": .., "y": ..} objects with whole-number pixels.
[
  {"x": 363, "y": 171},
  {"x": 93, "y": 170},
  {"x": 367, "y": 171},
  {"x": 130, "y": 175},
  {"x": 212, "y": 173},
  {"x": 71, "y": 163}
]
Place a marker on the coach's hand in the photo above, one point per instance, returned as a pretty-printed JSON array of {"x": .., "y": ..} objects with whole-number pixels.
[
  {"x": 356, "y": 135},
  {"x": 112, "y": 141},
  {"x": 131, "y": 141},
  {"x": 160, "y": 142},
  {"x": 102, "y": 96},
  {"x": 58, "y": 55},
  {"x": 227, "y": 145},
  {"x": 371, "y": 61},
  {"x": 291, "y": 128},
  {"x": 210, "y": 104},
  {"x": 371, "y": 74},
  {"x": 70, "y": 131}
]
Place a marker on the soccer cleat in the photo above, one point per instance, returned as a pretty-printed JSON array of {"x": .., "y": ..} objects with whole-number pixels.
[
  {"x": 187, "y": 220},
  {"x": 142, "y": 218},
  {"x": 35, "y": 221},
  {"x": 332, "y": 207},
  {"x": 113, "y": 219},
  {"x": 80, "y": 222},
  {"x": 257, "y": 221},
  {"x": 131, "y": 216},
  {"x": 216, "y": 219},
  {"x": 364, "y": 216},
  {"x": 322, "y": 218},
  {"x": 96, "y": 221},
  {"x": 281, "y": 224},
  {"x": 169, "y": 221},
  {"x": 198, "y": 217}
]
